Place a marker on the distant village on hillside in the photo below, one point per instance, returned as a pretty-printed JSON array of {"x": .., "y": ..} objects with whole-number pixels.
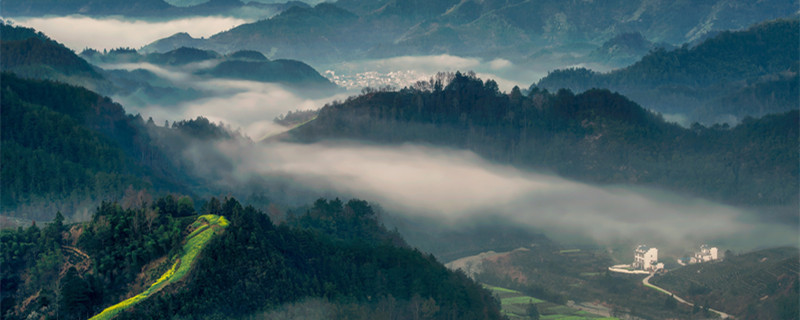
[{"x": 645, "y": 260}]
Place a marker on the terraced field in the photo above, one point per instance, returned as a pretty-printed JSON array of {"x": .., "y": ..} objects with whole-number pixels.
[
  {"x": 515, "y": 306},
  {"x": 205, "y": 227}
]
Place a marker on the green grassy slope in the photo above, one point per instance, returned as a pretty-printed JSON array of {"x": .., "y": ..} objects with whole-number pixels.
[{"x": 205, "y": 227}]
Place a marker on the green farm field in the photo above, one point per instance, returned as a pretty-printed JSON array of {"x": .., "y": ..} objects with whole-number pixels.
[{"x": 515, "y": 306}]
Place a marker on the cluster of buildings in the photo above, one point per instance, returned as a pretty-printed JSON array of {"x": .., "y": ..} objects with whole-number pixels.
[
  {"x": 374, "y": 79},
  {"x": 645, "y": 260},
  {"x": 705, "y": 254}
]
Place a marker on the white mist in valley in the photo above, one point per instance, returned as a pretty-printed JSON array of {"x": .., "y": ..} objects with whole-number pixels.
[
  {"x": 81, "y": 32},
  {"x": 248, "y": 106},
  {"x": 452, "y": 186},
  {"x": 458, "y": 187}
]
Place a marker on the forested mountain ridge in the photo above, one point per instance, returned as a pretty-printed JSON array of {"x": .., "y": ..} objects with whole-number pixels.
[
  {"x": 31, "y": 54},
  {"x": 75, "y": 271},
  {"x": 65, "y": 145},
  {"x": 67, "y": 148},
  {"x": 242, "y": 65},
  {"x": 518, "y": 30},
  {"x": 725, "y": 78},
  {"x": 595, "y": 136}
]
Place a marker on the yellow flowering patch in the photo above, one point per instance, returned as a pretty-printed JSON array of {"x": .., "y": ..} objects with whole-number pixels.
[{"x": 195, "y": 242}]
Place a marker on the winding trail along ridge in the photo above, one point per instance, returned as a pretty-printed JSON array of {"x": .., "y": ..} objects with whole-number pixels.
[
  {"x": 646, "y": 282},
  {"x": 205, "y": 227}
]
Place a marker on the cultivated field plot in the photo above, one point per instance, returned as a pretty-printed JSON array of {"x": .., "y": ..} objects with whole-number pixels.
[{"x": 515, "y": 305}]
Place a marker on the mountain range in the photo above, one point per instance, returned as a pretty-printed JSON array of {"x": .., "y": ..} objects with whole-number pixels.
[
  {"x": 518, "y": 30},
  {"x": 239, "y": 65},
  {"x": 725, "y": 78},
  {"x": 135, "y": 232},
  {"x": 31, "y": 54},
  {"x": 143, "y": 8}
]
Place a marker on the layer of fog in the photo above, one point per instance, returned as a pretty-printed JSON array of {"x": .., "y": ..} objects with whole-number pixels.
[
  {"x": 248, "y": 106},
  {"x": 251, "y": 106},
  {"x": 458, "y": 188},
  {"x": 81, "y": 32}
]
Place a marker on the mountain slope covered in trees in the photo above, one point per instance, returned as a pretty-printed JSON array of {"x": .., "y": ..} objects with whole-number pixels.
[
  {"x": 67, "y": 148},
  {"x": 725, "y": 78},
  {"x": 595, "y": 136},
  {"x": 63, "y": 146},
  {"x": 77, "y": 270},
  {"x": 31, "y": 54}
]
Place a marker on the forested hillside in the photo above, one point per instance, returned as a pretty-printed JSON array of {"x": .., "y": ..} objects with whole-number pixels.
[
  {"x": 31, "y": 54},
  {"x": 336, "y": 251},
  {"x": 67, "y": 148},
  {"x": 595, "y": 136},
  {"x": 59, "y": 146},
  {"x": 725, "y": 78}
]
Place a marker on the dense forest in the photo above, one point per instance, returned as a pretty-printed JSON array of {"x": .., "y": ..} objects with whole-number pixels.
[
  {"x": 335, "y": 251},
  {"x": 725, "y": 78},
  {"x": 58, "y": 148},
  {"x": 67, "y": 148},
  {"x": 595, "y": 136},
  {"x": 31, "y": 54}
]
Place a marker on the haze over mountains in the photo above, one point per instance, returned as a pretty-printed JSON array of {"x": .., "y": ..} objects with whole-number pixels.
[
  {"x": 520, "y": 31},
  {"x": 723, "y": 79},
  {"x": 159, "y": 9},
  {"x": 208, "y": 176}
]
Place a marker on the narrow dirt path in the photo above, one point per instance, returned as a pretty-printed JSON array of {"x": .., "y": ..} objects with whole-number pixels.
[
  {"x": 75, "y": 258},
  {"x": 76, "y": 251},
  {"x": 646, "y": 282}
]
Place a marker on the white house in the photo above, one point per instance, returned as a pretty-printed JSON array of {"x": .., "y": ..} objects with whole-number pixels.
[
  {"x": 645, "y": 258},
  {"x": 706, "y": 254}
]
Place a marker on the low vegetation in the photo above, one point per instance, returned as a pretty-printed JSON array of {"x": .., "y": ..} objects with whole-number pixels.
[
  {"x": 757, "y": 285},
  {"x": 569, "y": 278},
  {"x": 517, "y": 305}
]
